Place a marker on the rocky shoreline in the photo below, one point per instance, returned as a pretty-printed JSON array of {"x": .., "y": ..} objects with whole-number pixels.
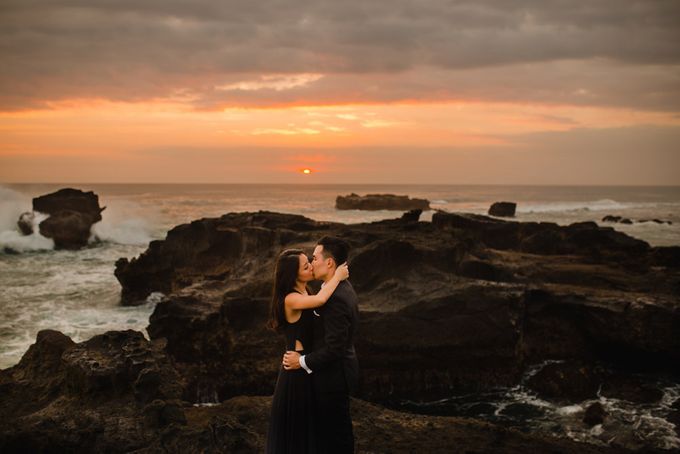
[
  {"x": 118, "y": 392},
  {"x": 460, "y": 304}
]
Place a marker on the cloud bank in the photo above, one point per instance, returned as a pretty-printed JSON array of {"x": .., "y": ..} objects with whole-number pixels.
[{"x": 211, "y": 55}]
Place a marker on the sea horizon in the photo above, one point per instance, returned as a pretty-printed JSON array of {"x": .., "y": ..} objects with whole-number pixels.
[{"x": 341, "y": 184}]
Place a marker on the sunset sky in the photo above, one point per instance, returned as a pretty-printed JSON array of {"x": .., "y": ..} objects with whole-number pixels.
[{"x": 371, "y": 91}]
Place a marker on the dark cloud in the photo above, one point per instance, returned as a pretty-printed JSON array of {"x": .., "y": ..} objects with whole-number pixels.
[{"x": 133, "y": 51}]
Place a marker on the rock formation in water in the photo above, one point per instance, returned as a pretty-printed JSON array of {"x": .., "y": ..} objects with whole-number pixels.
[
  {"x": 372, "y": 202},
  {"x": 25, "y": 222},
  {"x": 72, "y": 213},
  {"x": 622, "y": 220},
  {"x": 503, "y": 209}
]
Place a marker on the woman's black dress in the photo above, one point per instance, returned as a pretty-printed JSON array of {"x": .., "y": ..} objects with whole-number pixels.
[{"x": 291, "y": 427}]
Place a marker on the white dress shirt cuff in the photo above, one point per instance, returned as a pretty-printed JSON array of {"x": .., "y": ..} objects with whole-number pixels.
[{"x": 303, "y": 365}]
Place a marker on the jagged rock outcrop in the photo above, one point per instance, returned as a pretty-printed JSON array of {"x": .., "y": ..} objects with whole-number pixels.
[
  {"x": 112, "y": 392},
  {"x": 117, "y": 392},
  {"x": 503, "y": 209},
  {"x": 25, "y": 222},
  {"x": 372, "y": 202},
  {"x": 412, "y": 215},
  {"x": 72, "y": 213},
  {"x": 463, "y": 303},
  {"x": 460, "y": 304},
  {"x": 595, "y": 414}
]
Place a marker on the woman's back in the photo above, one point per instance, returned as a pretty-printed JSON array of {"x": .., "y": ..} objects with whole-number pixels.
[{"x": 301, "y": 330}]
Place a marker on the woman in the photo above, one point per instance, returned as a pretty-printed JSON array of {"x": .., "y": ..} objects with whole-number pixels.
[{"x": 291, "y": 425}]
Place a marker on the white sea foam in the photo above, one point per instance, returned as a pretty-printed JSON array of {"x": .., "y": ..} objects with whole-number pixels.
[
  {"x": 15, "y": 241},
  {"x": 568, "y": 410},
  {"x": 592, "y": 205},
  {"x": 155, "y": 297},
  {"x": 12, "y": 204},
  {"x": 124, "y": 222}
]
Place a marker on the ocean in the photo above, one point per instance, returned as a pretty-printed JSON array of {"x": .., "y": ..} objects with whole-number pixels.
[{"x": 76, "y": 292}]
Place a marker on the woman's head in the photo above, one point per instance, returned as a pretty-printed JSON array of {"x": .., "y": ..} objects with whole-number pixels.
[{"x": 292, "y": 267}]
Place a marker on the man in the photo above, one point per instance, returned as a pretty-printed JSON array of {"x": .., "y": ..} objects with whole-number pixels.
[{"x": 333, "y": 361}]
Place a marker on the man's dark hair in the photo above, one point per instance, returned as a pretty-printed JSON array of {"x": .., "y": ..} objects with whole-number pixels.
[{"x": 335, "y": 248}]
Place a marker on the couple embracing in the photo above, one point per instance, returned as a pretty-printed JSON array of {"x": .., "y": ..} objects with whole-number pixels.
[{"x": 310, "y": 407}]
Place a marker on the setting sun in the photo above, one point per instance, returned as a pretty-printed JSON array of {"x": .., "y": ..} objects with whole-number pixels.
[{"x": 306, "y": 171}]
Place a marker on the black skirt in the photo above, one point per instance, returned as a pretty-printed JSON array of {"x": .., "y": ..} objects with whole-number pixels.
[{"x": 291, "y": 426}]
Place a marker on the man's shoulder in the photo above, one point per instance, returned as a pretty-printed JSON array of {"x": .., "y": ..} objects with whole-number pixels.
[{"x": 344, "y": 293}]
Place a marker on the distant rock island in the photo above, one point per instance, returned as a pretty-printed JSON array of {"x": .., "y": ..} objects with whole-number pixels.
[
  {"x": 503, "y": 209},
  {"x": 373, "y": 202},
  {"x": 72, "y": 213}
]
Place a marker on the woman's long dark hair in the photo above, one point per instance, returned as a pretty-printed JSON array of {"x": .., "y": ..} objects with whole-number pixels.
[{"x": 285, "y": 277}]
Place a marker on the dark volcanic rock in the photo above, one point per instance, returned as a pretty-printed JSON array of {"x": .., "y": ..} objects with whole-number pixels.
[
  {"x": 68, "y": 229},
  {"x": 441, "y": 311},
  {"x": 380, "y": 202},
  {"x": 72, "y": 214},
  {"x": 634, "y": 332},
  {"x": 674, "y": 416},
  {"x": 110, "y": 393},
  {"x": 483, "y": 270},
  {"x": 629, "y": 388},
  {"x": 657, "y": 221},
  {"x": 460, "y": 304},
  {"x": 40, "y": 372},
  {"x": 69, "y": 199},
  {"x": 466, "y": 341},
  {"x": 412, "y": 215},
  {"x": 118, "y": 392},
  {"x": 595, "y": 414},
  {"x": 219, "y": 250},
  {"x": 622, "y": 220},
  {"x": 570, "y": 381},
  {"x": 380, "y": 430},
  {"x": 118, "y": 363},
  {"x": 619, "y": 219},
  {"x": 582, "y": 238},
  {"x": 503, "y": 209},
  {"x": 25, "y": 222},
  {"x": 668, "y": 257}
]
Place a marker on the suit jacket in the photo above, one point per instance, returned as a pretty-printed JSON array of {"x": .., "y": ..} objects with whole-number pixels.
[{"x": 333, "y": 360}]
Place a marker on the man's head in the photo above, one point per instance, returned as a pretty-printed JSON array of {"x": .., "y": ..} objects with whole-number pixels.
[{"x": 329, "y": 252}]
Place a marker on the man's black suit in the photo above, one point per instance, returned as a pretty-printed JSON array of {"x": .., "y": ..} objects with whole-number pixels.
[{"x": 335, "y": 369}]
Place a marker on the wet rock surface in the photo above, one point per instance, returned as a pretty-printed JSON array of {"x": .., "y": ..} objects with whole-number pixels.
[
  {"x": 622, "y": 220},
  {"x": 72, "y": 213},
  {"x": 503, "y": 209},
  {"x": 460, "y": 304},
  {"x": 595, "y": 414},
  {"x": 118, "y": 392},
  {"x": 442, "y": 310}
]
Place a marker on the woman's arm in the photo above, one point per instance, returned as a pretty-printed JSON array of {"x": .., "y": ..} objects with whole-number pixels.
[{"x": 297, "y": 301}]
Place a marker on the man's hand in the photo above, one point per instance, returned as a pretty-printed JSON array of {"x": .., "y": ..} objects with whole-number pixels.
[{"x": 291, "y": 360}]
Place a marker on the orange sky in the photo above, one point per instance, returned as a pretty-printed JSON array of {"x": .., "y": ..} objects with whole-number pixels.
[{"x": 387, "y": 101}]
